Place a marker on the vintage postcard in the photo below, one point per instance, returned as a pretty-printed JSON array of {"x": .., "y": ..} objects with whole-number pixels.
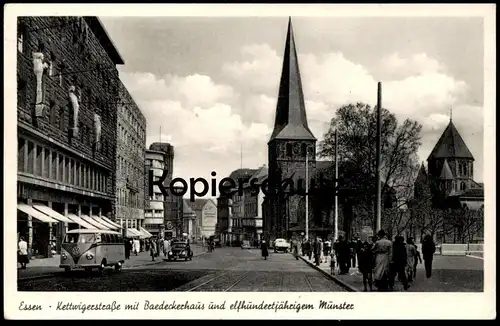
[{"x": 249, "y": 161}]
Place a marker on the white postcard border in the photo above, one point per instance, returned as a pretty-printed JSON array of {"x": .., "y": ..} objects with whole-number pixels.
[{"x": 366, "y": 305}]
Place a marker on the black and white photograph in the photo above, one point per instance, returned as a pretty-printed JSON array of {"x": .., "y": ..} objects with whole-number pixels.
[{"x": 329, "y": 159}]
